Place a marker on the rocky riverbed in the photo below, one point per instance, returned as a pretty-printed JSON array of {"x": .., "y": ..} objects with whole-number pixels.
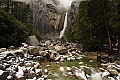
[{"x": 52, "y": 60}]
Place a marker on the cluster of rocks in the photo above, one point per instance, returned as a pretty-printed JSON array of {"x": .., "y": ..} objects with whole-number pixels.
[
  {"x": 110, "y": 71},
  {"x": 18, "y": 64},
  {"x": 102, "y": 56},
  {"x": 24, "y": 62}
]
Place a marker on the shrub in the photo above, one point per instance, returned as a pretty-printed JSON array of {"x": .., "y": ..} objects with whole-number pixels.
[
  {"x": 12, "y": 31},
  {"x": 92, "y": 45}
]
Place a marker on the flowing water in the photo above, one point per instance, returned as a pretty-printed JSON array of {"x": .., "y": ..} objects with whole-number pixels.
[
  {"x": 96, "y": 76},
  {"x": 64, "y": 27}
]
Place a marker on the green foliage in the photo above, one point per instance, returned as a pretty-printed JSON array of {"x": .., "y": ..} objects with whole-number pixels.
[
  {"x": 15, "y": 23},
  {"x": 70, "y": 33},
  {"x": 92, "y": 45},
  {"x": 115, "y": 21},
  {"x": 35, "y": 32},
  {"x": 95, "y": 19},
  {"x": 12, "y": 31}
]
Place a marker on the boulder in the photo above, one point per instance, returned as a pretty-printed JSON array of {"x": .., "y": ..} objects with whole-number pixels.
[
  {"x": 104, "y": 65},
  {"x": 67, "y": 69},
  {"x": 41, "y": 79},
  {"x": 104, "y": 60},
  {"x": 43, "y": 53},
  {"x": 20, "y": 78},
  {"x": 61, "y": 49},
  {"x": 112, "y": 58},
  {"x": 19, "y": 52},
  {"x": 33, "y": 50},
  {"x": 105, "y": 74},
  {"x": 102, "y": 69},
  {"x": 1, "y": 67},
  {"x": 33, "y": 41},
  {"x": 113, "y": 72},
  {"x": 36, "y": 65},
  {"x": 112, "y": 69},
  {"x": 11, "y": 48},
  {"x": 10, "y": 77},
  {"x": 38, "y": 72},
  {"x": 37, "y": 58},
  {"x": 2, "y": 49},
  {"x": 29, "y": 64},
  {"x": 20, "y": 74},
  {"x": 80, "y": 75},
  {"x": 3, "y": 55},
  {"x": 25, "y": 50},
  {"x": 103, "y": 56},
  {"x": 87, "y": 70},
  {"x": 47, "y": 43},
  {"x": 52, "y": 56},
  {"x": 25, "y": 45},
  {"x": 57, "y": 58},
  {"x": 31, "y": 74},
  {"x": 50, "y": 47},
  {"x": 45, "y": 71},
  {"x": 118, "y": 77},
  {"x": 3, "y": 75},
  {"x": 61, "y": 69}
]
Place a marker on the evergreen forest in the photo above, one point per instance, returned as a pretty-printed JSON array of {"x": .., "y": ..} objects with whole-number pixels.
[
  {"x": 96, "y": 26},
  {"x": 15, "y": 23}
]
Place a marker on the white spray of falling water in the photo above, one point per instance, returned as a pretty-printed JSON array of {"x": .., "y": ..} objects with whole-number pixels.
[
  {"x": 64, "y": 27},
  {"x": 96, "y": 75}
]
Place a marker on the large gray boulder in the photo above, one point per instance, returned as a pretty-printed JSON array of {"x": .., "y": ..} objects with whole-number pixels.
[
  {"x": 33, "y": 50},
  {"x": 33, "y": 41}
]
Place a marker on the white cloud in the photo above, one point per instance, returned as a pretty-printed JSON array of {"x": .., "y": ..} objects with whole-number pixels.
[
  {"x": 66, "y": 3},
  {"x": 23, "y": 0}
]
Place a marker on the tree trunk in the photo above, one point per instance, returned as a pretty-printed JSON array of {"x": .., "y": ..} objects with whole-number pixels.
[
  {"x": 90, "y": 32},
  {"x": 119, "y": 31},
  {"x": 107, "y": 26},
  {"x": 119, "y": 41},
  {"x": 109, "y": 38}
]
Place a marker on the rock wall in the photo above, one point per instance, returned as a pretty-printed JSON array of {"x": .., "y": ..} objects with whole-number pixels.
[
  {"x": 46, "y": 15},
  {"x": 73, "y": 11}
]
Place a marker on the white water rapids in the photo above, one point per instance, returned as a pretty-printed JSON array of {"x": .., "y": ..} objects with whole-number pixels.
[{"x": 64, "y": 27}]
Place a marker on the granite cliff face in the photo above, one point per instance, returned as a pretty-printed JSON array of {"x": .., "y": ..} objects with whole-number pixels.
[
  {"x": 73, "y": 11},
  {"x": 46, "y": 15}
]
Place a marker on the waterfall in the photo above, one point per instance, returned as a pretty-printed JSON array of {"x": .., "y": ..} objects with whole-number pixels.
[{"x": 64, "y": 27}]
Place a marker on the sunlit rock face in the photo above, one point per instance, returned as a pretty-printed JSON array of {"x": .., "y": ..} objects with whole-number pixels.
[{"x": 46, "y": 15}]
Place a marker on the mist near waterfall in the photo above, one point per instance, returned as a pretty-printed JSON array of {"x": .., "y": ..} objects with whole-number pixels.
[{"x": 65, "y": 3}]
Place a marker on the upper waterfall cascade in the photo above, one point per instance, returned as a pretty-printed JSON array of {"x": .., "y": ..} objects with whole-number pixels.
[{"x": 64, "y": 27}]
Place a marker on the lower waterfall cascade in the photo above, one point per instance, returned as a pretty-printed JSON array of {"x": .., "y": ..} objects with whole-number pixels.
[{"x": 64, "y": 27}]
